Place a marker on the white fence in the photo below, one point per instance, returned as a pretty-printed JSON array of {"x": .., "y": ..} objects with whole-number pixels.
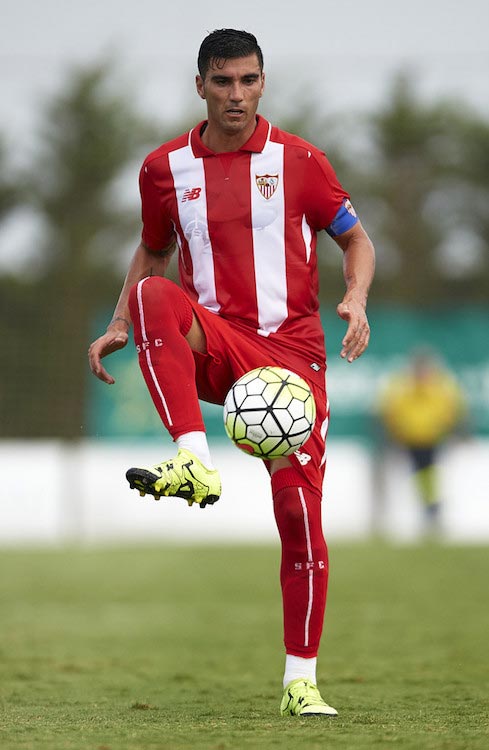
[{"x": 53, "y": 492}]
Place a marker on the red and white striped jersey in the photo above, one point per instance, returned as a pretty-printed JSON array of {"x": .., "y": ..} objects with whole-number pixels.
[{"x": 245, "y": 224}]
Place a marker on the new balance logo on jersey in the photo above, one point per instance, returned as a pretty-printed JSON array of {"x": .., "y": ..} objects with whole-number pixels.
[
  {"x": 303, "y": 458},
  {"x": 191, "y": 194}
]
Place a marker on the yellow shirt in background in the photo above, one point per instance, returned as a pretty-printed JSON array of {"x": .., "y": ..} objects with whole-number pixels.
[{"x": 421, "y": 413}]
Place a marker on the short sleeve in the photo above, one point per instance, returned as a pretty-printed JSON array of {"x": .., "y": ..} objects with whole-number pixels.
[
  {"x": 157, "y": 230},
  {"x": 324, "y": 193}
]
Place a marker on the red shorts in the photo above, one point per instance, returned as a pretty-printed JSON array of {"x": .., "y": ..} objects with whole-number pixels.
[{"x": 233, "y": 350}]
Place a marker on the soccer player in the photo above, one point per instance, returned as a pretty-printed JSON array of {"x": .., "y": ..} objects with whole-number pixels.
[
  {"x": 420, "y": 407},
  {"x": 241, "y": 202}
]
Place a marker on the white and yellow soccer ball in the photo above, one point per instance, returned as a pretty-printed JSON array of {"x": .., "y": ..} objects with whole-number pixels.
[{"x": 269, "y": 412}]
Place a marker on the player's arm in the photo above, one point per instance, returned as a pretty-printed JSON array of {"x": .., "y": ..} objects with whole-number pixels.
[
  {"x": 358, "y": 270},
  {"x": 145, "y": 262},
  {"x": 322, "y": 194}
]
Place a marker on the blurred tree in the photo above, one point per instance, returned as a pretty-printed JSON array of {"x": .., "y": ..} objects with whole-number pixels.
[
  {"x": 419, "y": 177},
  {"x": 89, "y": 137},
  {"x": 418, "y": 174},
  {"x": 10, "y": 197},
  {"x": 468, "y": 171},
  {"x": 10, "y": 192},
  {"x": 424, "y": 188}
]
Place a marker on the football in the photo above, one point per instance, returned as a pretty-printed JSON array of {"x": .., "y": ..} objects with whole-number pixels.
[{"x": 269, "y": 412}]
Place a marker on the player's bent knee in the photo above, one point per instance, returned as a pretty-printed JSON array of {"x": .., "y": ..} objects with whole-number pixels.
[
  {"x": 155, "y": 296},
  {"x": 156, "y": 289}
]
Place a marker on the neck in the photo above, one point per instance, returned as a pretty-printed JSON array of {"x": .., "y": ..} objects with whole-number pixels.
[{"x": 221, "y": 142}]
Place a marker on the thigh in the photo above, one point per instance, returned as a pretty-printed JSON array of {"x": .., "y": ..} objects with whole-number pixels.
[
  {"x": 231, "y": 352},
  {"x": 310, "y": 460}
]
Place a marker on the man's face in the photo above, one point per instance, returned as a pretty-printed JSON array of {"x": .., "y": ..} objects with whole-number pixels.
[{"x": 232, "y": 90}]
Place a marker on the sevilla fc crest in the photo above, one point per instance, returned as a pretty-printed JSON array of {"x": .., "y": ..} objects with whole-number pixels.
[{"x": 267, "y": 184}]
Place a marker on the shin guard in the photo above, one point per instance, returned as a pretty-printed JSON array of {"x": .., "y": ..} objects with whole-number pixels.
[{"x": 304, "y": 568}]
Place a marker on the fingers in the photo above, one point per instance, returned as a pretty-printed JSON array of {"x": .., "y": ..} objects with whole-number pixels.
[
  {"x": 355, "y": 342},
  {"x": 94, "y": 359},
  {"x": 104, "y": 345},
  {"x": 102, "y": 374},
  {"x": 358, "y": 332}
]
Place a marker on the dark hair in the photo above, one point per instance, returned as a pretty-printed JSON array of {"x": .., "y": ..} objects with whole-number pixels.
[{"x": 223, "y": 44}]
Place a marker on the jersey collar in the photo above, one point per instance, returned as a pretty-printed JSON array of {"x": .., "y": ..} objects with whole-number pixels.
[{"x": 256, "y": 143}]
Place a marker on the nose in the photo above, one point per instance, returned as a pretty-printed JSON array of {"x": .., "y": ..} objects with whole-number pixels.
[{"x": 236, "y": 93}]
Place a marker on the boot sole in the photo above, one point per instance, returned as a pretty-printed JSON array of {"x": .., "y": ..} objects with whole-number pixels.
[{"x": 143, "y": 480}]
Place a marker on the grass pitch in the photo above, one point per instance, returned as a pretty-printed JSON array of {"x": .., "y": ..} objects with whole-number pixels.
[{"x": 180, "y": 648}]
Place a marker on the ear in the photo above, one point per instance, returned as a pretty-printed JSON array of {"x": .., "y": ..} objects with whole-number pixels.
[
  {"x": 262, "y": 84},
  {"x": 199, "y": 85}
]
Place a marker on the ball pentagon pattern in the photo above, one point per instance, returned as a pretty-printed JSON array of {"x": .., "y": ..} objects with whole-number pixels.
[{"x": 269, "y": 412}]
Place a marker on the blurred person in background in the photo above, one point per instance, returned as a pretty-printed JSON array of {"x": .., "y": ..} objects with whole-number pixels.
[
  {"x": 420, "y": 407},
  {"x": 243, "y": 201}
]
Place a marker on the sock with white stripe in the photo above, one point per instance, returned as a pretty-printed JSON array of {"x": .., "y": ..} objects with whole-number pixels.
[
  {"x": 304, "y": 567},
  {"x": 297, "y": 666}
]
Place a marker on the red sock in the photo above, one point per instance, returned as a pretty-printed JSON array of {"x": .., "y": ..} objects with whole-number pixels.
[
  {"x": 162, "y": 316},
  {"x": 304, "y": 569}
]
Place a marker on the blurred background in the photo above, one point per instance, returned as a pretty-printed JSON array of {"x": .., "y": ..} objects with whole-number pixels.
[{"x": 398, "y": 97}]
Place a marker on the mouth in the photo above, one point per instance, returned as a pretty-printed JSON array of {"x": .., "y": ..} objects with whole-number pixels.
[{"x": 235, "y": 112}]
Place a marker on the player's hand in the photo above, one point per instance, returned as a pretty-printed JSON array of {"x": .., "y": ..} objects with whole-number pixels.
[
  {"x": 358, "y": 332},
  {"x": 110, "y": 342}
]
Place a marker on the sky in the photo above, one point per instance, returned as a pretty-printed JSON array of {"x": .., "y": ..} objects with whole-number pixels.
[{"x": 340, "y": 55}]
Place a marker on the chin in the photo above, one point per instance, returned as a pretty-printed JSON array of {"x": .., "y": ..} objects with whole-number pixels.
[{"x": 235, "y": 127}]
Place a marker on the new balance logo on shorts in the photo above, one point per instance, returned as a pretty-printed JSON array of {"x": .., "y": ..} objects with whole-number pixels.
[
  {"x": 191, "y": 194},
  {"x": 303, "y": 458}
]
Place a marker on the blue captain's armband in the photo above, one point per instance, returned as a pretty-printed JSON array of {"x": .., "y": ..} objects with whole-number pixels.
[{"x": 344, "y": 220}]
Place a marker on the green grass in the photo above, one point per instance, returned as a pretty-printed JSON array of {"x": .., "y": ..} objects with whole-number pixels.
[{"x": 180, "y": 647}]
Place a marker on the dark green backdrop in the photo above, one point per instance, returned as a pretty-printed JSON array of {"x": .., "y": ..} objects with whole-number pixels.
[{"x": 460, "y": 337}]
